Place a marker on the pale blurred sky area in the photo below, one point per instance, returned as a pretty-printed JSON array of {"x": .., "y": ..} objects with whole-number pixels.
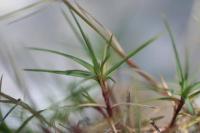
[{"x": 132, "y": 21}]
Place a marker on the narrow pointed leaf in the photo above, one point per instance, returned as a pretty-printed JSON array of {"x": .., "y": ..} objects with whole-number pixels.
[
  {"x": 87, "y": 43},
  {"x": 186, "y": 74},
  {"x": 27, "y": 121},
  {"x": 6, "y": 115},
  {"x": 75, "y": 73},
  {"x": 157, "y": 118},
  {"x": 191, "y": 88},
  {"x": 25, "y": 106},
  {"x": 111, "y": 79},
  {"x": 194, "y": 94},
  {"x": 113, "y": 68},
  {"x": 178, "y": 62},
  {"x": 195, "y": 85},
  {"x": 168, "y": 98},
  {"x": 78, "y": 60},
  {"x": 106, "y": 53}
]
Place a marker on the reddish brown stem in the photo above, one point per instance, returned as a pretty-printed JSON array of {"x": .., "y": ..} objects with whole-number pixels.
[
  {"x": 106, "y": 96},
  {"x": 107, "y": 102},
  {"x": 177, "y": 110}
]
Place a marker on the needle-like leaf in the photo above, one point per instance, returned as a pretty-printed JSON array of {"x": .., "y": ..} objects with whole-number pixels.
[
  {"x": 25, "y": 106},
  {"x": 75, "y": 73},
  {"x": 114, "y": 67},
  {"x": 194, "y": 94},
  {"x": 106, "y": 53},
  {"x": 178, "y": 62},
  {"x": 87, "y": 43},
  {"x": 27, "y": 121},
  {"x": 168, "y": 98},
  {"x": 105, "y": 34},
  {"x": 78, "y": 60},
  {"x": 190, "y": 88},
  {"x": 6, "y": 115},
  {"x": 186, "y": 74}
]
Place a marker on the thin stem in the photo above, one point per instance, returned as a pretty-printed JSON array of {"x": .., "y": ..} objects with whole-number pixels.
[
  {"x": 106, "y": 96},
  {"x": 133, "y": 104},
  {"x": 155, "y": 126},
  {"x": 98, "y": 107},
  {"x": 86, "y": 105},
  {"x": 178, "y": 109},
  {"x": 110, "y": 120}
]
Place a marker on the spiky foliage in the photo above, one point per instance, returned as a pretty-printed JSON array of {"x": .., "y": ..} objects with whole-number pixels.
[{"x": 115, "y": 116}]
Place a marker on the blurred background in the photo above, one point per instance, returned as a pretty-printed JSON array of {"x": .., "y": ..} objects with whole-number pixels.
[{"x": 132, "y": 21}]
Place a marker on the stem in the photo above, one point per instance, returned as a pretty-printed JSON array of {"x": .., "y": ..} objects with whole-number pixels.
[
  {"x": 106, "y": 96},
  {"x": 155, "y": 126},
  {"x": 178, "y": 109},
  {"x": 133, "y": 104},
  {"x": 110, "y": 120}
]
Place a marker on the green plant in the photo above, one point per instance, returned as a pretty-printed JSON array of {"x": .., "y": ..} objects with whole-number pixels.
[
  {"x": 187, "y": 89},
  {"x": 97, "y": 71},
  {"x": 115, "y": 116}
]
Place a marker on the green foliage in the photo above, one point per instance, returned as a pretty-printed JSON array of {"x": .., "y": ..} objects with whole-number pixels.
[
  {"x": 116, "y": 66},
  {"x": 78, "y": 60},
  {"x": 88, "y": 45},
  {"x": 178, "y": 62},
  {"x": 75, "y": 73},
  {"x": 114, "y": 117}
]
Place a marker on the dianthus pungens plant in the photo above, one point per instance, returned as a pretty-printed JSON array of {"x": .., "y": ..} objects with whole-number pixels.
[
  {"x": 187, "y": 90},
  {"x": 98, "y": 71}
]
